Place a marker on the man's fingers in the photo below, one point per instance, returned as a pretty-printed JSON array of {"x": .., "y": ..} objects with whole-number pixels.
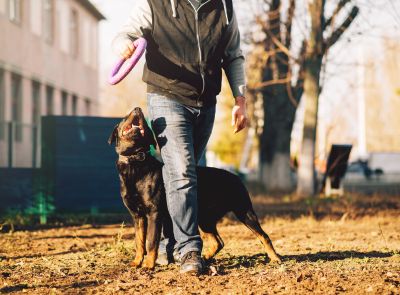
[
  {"x": 130, "y": 49},
  {"x": 234, "y": 118},
  {"x": 240, "y": 124}
]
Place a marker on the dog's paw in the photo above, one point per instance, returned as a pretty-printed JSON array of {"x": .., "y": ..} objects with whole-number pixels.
[
  {"x": 276, "y": 260},
  {"x": 137, "y": 262},
  {"x": 208, "y": 254},
  {"x": 149, "y": 264}
]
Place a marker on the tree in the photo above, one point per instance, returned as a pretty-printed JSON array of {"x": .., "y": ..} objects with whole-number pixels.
[
  {"x": 284, "y": 69},
  {"x": 317, "y": 47}
]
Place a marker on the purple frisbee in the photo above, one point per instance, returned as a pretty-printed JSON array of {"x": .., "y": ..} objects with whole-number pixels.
[{"x": 117, "y": 75}]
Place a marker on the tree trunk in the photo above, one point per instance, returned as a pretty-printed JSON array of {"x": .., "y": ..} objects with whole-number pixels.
[
  {"x": 306, "y": 181},
  {"x": 275, "y": 170}
]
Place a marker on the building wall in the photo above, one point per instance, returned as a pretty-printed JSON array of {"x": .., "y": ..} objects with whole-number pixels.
[
  {"x": 38, "y": 46},
  {"x": 383, "y": 100}
]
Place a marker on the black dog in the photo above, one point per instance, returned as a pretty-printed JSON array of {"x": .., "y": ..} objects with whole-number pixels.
[{"x": 142, "y": 191}]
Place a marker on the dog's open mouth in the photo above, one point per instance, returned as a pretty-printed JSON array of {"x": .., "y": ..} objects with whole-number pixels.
[{"x": 130, "y": 128}]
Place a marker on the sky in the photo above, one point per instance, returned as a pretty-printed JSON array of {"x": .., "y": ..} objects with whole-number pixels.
[{"x": 378, "y": 20}]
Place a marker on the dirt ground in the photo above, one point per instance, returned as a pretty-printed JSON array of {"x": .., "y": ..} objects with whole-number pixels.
[{"x": 348, "y": 246}]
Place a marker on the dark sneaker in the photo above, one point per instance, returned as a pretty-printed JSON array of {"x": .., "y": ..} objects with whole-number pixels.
[
  {"x": 165, "y": 259},
  {"x": 192, "y": 263}
]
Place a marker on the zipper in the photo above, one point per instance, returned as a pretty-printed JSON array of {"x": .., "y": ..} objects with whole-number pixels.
[{"x": 196, "y": 14}]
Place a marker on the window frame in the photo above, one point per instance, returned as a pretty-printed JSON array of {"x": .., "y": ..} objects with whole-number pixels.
[
  {"x": 49, "y": 100},
  {"x": 74, "y": 33},
  {"x": 14, "y": 10},
  {"x": 16, "y": 105},
  {"x": 48, "y": 18},
  {"x": 36, "y": 101},
  {"x": 64, "y": 103}
]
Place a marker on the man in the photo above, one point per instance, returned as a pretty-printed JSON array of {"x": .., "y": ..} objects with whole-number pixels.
[{"x": 189, "y": 42}]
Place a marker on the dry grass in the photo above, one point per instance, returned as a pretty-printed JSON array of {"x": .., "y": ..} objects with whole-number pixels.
[{"x": 356, "y": 253}]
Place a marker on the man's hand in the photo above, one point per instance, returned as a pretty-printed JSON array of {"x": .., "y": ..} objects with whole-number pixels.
[
  {"x": 127, "y": 52},
  {"x": 239, "y": 115}
]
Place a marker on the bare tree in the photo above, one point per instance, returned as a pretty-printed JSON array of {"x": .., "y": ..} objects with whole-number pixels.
[
  {"x": 286, "y": 71},
  {"x": 317, "y": 47}
]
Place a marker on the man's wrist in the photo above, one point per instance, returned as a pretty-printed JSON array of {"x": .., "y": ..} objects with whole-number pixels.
[{"x": 240, "y": 99}]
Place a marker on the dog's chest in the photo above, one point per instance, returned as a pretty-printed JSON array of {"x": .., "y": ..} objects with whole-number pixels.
[{"x": 141, "y": 189}]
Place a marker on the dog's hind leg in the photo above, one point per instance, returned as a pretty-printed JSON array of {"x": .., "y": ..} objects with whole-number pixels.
[
  {"x": 214, "y": 241},
  {"x": 249, "y": 218},
  {"x": 153, "y": 239},
  {"x": 140, "y": 239}
]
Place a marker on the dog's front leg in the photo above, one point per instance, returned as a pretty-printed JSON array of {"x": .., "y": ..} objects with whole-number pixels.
[
  {"x": 153, "y": 239},
  {"x": 140, "y": 239}
]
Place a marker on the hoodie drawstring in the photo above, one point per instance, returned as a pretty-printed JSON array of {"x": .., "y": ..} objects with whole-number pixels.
[
  {"x": 173, "y": 8},
  {"x": 223, "y": 2},
  {"x": 226, "y": 12}
]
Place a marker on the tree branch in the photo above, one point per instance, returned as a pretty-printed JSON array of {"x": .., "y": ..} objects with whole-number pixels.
[
  {"x": 341, "y": 29},
  {"x": 279, "y": 44},
  {"x": 261, "y": 85},
  {"x": 289, "y": 21},
  {"x": 338, "y": 8}
]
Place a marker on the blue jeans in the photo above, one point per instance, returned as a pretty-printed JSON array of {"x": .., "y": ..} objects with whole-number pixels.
[{"x": 182, "y": 133}]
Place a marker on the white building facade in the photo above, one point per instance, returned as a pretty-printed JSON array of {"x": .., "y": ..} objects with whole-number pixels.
[{"x": 48, "y": 66}]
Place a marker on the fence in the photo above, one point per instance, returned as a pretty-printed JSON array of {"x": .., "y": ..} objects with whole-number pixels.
[
  {"x": 71, "y": 168},
  {"x": 78, "y": 166},
  {"x": 19, "y": 145}
]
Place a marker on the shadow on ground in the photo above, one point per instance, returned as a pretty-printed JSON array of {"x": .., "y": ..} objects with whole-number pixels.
[{"x": 235, "y": 262}]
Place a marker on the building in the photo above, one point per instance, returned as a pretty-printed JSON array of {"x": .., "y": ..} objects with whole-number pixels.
[{"x": 48, "y": 66}]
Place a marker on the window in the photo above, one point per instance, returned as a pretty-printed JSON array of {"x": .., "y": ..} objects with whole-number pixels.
[
  {"x": 74, "y": 105},
  {"x": 36, "y": 17},
  {"x": 2, "y": 104},
  {"x": 74, "y": 33},
  {"x": 35, "y": 102},
  {"x": 49, "y": 100},
  {"x": 48, "y": 20},
  {"x": 3, "y": 9},
  {"x": 63, "y": 26},
  {"x": 64, "y": 103},
  {"x": 88, "y": 106},
  {"x": 86, "y": 40},
  {"x": 16, "y": 105},
  {"x": 14, "y": 11}
]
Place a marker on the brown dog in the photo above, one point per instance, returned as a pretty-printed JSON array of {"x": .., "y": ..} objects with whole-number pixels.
[{"x": 142, "y": 191}]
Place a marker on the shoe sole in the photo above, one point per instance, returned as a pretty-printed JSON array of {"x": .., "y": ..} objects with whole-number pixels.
[{"x": 193, "y": 270}]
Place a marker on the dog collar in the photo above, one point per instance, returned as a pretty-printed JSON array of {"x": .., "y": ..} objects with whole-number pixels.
[{"x": 138, "y": 157}]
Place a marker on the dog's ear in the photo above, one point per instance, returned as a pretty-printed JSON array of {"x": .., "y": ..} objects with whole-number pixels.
[{"x": 114, "y": 135}]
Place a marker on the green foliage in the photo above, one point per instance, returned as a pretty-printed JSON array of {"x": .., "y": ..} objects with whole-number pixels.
[
  {"x": 42, "y": 206},
  {"x": 227, "y": 145}
]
